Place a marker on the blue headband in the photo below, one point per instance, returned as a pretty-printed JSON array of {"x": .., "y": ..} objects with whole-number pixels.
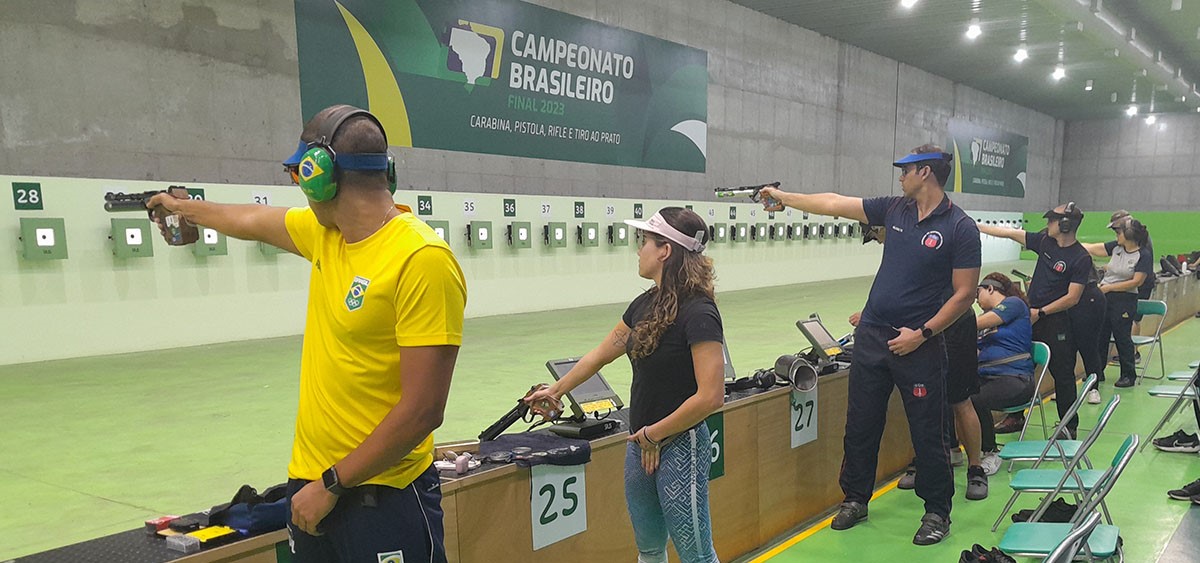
[
  {"x": 922, "y": 157},
  {"x": 345, "y": 161}
]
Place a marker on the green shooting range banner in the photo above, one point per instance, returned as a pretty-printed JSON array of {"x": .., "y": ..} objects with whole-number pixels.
[
  {"x": 506, "y": 77},
  {"x": 987, "y": 161}
]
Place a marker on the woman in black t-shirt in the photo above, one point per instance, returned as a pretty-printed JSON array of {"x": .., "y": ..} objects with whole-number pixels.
[{"x": 672, "y": 334}]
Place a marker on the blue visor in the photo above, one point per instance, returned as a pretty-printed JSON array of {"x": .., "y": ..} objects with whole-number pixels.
[
  {"x": 922, "y": 157},
  {"x": 294, "y": 160}
]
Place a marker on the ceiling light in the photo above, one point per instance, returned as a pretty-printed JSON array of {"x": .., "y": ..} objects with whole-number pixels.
[
  {"x": 1150, "y": 119},
  {"x": 1131, "y": 111},
  {"x": 974, "y": 30},
  {"x": 1088, "y": 86},
  {"x": 1059, "y": 73},
  {"x": 1197, "y": 110},
  {"x": 1162, "y": 126},
  {"x": 1176, "y": 5},
  {"x": 908, "y": 3},
  {"x": 1021, "y": 54}
]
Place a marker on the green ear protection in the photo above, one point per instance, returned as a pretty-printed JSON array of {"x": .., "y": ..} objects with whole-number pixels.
[{"x": 318, "y": 168}]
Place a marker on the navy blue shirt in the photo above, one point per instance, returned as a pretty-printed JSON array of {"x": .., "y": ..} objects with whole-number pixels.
[
  {"x": 1014, "y": 336},
  {"x": 1057, "y": 268},
  {"x": 916, "y": 276}
]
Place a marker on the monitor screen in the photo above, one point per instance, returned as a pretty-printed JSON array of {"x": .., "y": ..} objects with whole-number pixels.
[
  {"x": 824, "y": 344},
  {"x": 594, "y": 395}
]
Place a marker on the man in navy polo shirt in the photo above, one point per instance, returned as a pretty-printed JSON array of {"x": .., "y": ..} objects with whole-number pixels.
[{"x": 926, "y": 281}]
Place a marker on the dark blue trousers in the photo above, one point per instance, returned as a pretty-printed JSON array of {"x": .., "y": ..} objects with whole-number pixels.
[
  {"x": 376, "y": 524},
  {"x": 921, "y": 379}
]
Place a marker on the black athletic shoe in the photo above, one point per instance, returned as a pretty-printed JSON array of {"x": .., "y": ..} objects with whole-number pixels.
[
  {"x": 933, "y": 529},
  {"x": 1125, "y": 382},
  {"x": 850, "y": 514},
  {"x": 1180, "y": 441},
  {"x": 1010, "y": 424},
  {"x": 908, "y": 481},
  {"x": 977, "y": 483},
  {"x": 1187, "y": 492}
]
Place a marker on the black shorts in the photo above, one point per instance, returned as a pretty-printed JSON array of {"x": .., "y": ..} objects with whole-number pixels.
[
  {"x": 377, "y": 523},
  {"x": 962, "y": 359}
]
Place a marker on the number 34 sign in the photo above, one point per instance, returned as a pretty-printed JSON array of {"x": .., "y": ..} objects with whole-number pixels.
[{"x": 558, "y": 504}]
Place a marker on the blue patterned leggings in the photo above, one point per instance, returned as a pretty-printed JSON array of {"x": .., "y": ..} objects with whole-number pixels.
[{"x": 672, "y": 501}]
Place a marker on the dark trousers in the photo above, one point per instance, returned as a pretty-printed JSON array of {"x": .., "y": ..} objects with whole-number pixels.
[
  {"x": 375, "y": 523},
  {"x": 1118, "y": 325},
  {"x": 921, "y": 379},
  {"x": 998, "y": 392},
  {"x": 1055, "y": 331},
  {"x": 1087, "y": 320}
]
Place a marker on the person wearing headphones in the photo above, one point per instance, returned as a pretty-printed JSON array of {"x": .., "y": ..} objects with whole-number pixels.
[
  {"x": 925, "y": 283},
  {"x": 1126, "y": 273},
  {"x": 1147, "y": 288},
  {"x": 673, "y": 336},
  {"x": 1005, "y": 362},
  {"x": 1064, "y": 268},
  {"x": 384, "y": 324}
]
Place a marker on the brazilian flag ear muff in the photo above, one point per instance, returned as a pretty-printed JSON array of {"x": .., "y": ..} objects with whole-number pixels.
[
  {"x": 316, "y": 174},
  {"x": 318, "y": 168}
]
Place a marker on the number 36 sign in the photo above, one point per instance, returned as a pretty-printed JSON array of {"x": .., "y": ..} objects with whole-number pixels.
[{"x": 558, "y": 504}]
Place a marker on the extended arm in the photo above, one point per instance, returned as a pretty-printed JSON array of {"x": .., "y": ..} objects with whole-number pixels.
[
  {"x": 248, "y": 222},
  {"x": 1015, "y": 235},
  {"x": 834, "y": 205}
]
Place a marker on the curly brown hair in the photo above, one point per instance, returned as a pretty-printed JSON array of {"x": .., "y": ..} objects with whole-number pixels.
[
  {"x": 1011, "y": 288},
  {"x": 685, "y": 274}
]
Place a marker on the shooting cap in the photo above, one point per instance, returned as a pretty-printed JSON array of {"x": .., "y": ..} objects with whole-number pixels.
[
  {"x": 659, "y": 226},
  {"x": 923, "y": 157},
  {"x": 994, "y": 284},
  {"x": 1119, "y": 216}
]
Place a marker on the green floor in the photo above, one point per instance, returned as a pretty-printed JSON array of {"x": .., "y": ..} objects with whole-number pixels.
[
  {"x": 93, "y": 446},
  {"x": 1139, "y": 503}
]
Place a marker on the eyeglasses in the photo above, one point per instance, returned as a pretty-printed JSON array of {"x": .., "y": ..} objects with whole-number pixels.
[
  {"x": 294, "y": 172},
  {"x": 909, "y": 170}
]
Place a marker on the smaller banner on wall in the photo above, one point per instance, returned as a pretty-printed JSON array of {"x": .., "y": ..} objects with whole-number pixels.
[{"x": 987, "y": 161}]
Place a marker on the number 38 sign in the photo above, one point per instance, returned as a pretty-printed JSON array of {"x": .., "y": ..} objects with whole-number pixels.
[{"x": 558, "y": 505}]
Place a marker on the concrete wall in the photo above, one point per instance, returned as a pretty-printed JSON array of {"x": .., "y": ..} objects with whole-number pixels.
[
  {"x": 207, "y": 91},
  {"x": 1127, "y": 164}
]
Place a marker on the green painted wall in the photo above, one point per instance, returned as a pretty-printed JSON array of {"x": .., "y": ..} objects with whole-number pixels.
[{"x": 1173, "y": 232}]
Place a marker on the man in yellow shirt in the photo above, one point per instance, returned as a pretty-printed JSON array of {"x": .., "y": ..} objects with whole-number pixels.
[{"x": 384, "y": 324}]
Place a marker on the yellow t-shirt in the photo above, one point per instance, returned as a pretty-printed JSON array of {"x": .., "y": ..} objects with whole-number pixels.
[{"x": 400, "y": 287}]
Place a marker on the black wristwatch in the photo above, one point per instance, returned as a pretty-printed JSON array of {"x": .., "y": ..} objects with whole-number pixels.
[
  {"x": 926, "y": 332},
  {"x": 332, "y": 484}
]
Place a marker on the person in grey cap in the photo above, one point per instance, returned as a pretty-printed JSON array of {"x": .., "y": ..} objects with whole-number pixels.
[
  {"x": 1147, "y": 288},
  {"x": 673, "y": 336}
]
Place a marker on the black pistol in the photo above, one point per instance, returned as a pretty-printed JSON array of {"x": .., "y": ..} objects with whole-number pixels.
[{"x": 176, "y": 229}]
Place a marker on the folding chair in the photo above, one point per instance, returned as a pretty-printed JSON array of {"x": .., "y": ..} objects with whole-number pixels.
[
  {"x": 1037, "y": 450},
  {"x": 1039, "y": 539},
  {"x": 1194, "y": 365},
  {"x": 1041, "y": 357},
  {"x": 1188, "y": 392},
  {"x": 1070, "y": 546},
  {"x": 1070, "y": 479},
  {"x": 1151, "y": 307}
]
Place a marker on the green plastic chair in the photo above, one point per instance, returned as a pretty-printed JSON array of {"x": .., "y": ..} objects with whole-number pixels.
[
  {"x": 1041, "y": 539},
  {"x": 1188, "y": 392},
  {"x": 1069, "y": 479},
  {"x": 1038, "y": 450},
  {"x": 1152, "y": 307},
  {"x": 1041, "y": 357},
  {"x": 1180, "y": 375},
  {"x": 1195, "y": 364},
  {"x": 1075, "y": 541}
]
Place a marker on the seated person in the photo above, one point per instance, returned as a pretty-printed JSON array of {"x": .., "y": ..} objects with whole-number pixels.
[{"x": 1005, "y": 363}]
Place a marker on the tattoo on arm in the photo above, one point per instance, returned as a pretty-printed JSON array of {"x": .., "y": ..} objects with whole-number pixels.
[{"x": 620, "y": 337}]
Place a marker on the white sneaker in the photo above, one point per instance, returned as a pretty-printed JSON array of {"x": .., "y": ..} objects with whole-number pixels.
[
  {"x": 1093, "y": 397},
  {"x": 991, "y": 463}
]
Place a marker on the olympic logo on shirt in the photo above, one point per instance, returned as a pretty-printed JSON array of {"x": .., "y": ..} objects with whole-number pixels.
[{"x": 932, "y": 240}]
